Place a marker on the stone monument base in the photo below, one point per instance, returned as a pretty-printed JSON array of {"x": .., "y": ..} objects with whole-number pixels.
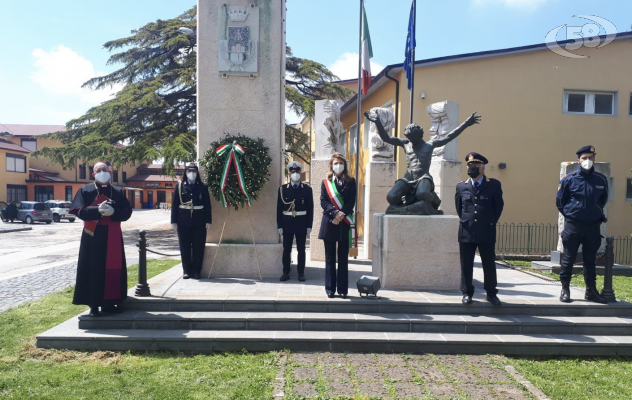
[
  {"x": 416, "y": 251},
  {"x": 239, "y": 261},
  {"x": 319, "y": 170}
]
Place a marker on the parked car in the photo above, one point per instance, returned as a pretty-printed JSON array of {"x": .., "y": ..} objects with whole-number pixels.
[
  {"x": 60, "y": 210},
  {"x": 34, "y": 211}
]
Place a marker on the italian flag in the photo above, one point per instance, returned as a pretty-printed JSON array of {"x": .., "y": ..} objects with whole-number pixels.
[{"x": 367, "y": 54}]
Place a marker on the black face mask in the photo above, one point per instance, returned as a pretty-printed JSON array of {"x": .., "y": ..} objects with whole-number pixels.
[{"x": 473, "y": 172}]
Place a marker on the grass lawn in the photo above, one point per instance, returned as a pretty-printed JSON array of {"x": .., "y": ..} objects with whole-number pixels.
[{"x": 27, "y": 372}]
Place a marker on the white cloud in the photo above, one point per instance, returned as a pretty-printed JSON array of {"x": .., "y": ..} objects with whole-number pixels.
[
  {"x": 62, "y": 71},
  {"x": 530, "y": 5},
  {"x": 346, "y": 66}
]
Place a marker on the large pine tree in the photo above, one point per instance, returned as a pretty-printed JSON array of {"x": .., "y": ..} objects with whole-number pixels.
[{"x": 154, "y": 113}]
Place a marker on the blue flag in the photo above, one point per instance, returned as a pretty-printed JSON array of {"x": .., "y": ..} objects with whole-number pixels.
[{"x": 409, "y": 63}]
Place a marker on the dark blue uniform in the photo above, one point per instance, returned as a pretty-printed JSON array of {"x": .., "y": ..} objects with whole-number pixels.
[
  {"x": 295, "y": 213},
  {"x": 332, "y": 234},
  {"x": 479, "y": 210},
  {"x": 191, "y": 212},
  {"x": 581, "y": 198}
]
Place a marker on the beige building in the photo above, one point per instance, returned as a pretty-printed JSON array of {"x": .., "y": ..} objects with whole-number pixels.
[{"x": 14, "y": 172}]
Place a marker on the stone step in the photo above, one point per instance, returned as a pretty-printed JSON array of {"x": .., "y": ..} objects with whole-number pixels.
[
  {"x": 264, "y": 321},
  {"x": 450, "y": 306},
  {"x": 68, "y": 336}
]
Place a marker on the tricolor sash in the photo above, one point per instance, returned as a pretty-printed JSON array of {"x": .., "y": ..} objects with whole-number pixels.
[
  {"x": 338, "y": 202},
  {"x": 232, "y": 158}
]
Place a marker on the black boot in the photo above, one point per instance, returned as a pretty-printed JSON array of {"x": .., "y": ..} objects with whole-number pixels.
[
  {"x": 94, "y": 312},
  {"x": 593, "y": 295},
  {"x": 565, "y": 296}
]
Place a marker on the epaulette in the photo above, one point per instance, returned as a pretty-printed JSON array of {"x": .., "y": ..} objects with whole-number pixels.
[{"x": 492, "y": 179}]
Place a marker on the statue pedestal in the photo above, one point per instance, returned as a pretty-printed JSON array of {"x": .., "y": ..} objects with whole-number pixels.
[
  {"x": 380, "y": 177},
  {"x": 416, "y": 252},
  {"x": 240, "y": 261},
  {"x": 319, "y": 170},
  {"x": 446, "y": 175}
]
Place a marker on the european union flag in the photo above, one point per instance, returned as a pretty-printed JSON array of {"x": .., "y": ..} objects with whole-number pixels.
[{"x": 409, "y": 63}]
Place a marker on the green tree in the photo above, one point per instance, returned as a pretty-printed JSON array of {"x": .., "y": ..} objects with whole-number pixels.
[{"x": 154, "y": 114}]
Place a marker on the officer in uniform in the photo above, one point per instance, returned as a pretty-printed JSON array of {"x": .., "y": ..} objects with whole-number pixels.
[
  {"x": 581, "y": 197},
  {"x": 479, "y": 204},
  {"x": 191, "y": 216},
  {"x": 295, "y": 214}
]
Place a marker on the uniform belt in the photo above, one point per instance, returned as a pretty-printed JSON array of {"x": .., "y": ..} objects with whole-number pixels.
[
  {"x": 295, "y": 213},
  {"x": 191, "y": 207}
]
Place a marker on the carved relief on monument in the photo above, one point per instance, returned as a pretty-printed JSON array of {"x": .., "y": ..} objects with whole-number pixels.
[
  {"x": 444, "y": 117},
  {"x": 238, "y": 46},
  {"x": 337, "y": 140},
  {"x": 380, "y": 150}
]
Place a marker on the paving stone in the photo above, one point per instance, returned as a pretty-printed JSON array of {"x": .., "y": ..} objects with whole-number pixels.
[
  {"x": 451, "y": 361},
  {"x": 337, "y": 374},
  {"x": 362, "y": 359},
  {"x": 374, "y": 389},
  {"x": 509, "y": 392},
  {"x": 493, "y": 375},
  {"x": 391, "y": 360},
  {"x": 399, "y": 374},
  {"x": 408, "y": 390},
  {"x": 463, "y": 376},
  {"x": 305, "y": 389},
  {"x": 476, "y": 391},
  {"x": 431, "y": 374},
  {"x": 305, "y": 373},
  {"x": 305, "y": 358},
  {"x": 479, "y": 361},
  {"x": 443, "y": 391},
  {"x": 333, "y": 359},
  {"x": 369, "y": 373},
  {"x": 341, "y": 389}
]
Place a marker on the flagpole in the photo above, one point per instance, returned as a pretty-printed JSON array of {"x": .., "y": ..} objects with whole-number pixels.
[
  {"x": 359, "y": 115},
  {"x": 412, "y": 72}
]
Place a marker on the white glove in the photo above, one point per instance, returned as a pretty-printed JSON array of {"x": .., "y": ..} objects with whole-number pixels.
[
  {"x": 174, "y": 226},
  {"x": 208, "y": 226},
  {"x": 106, "y": 210},
  {"x": 281, "y": 231},
  {"x": 309, "y": 230}
]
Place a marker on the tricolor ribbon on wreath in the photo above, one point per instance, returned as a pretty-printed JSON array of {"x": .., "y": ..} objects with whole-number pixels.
[
  {"x": 232, "y": 158},
  {"x": 338, "y": 202}
]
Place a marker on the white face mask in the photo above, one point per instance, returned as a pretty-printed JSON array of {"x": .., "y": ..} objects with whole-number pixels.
[
  {"x": 191, "y": 176},
  {"x": 586, "y": 164},
  {"x": 338, "y": 169},
  {"x": 102, "y": 177},
  {"x": 295, "y": 177}
]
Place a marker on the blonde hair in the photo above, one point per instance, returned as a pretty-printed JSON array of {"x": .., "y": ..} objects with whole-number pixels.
[{"x": 345, "y": 174}]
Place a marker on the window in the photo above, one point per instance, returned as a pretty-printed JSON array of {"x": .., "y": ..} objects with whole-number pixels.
[
  {"x": 91, "y": 173},
  {"x": 367, "y": 133},
  {"x": 628, "y": 189},
  {"x": 29, "y": 144},
  {"x": 44, "y": 193},
  {"x": 124, "y": 177},
  {"x": 169, "y": 185},
  {"x": 68, "y": 193},
  {"x": 16, "y": 163},
  {"x": 353, "y": 135},
  {"x": 592, "y": 103},
  {"x": 162, "y": 197},
  {"x": 115, "y": 176},
  {"x": 132, "y": 163},
  {"x": 82, "y": 171},
  {"x": 16, "y": 193}
]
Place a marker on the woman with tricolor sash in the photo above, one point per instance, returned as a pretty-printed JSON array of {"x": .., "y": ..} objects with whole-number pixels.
[{"x": 337, "y": 229}]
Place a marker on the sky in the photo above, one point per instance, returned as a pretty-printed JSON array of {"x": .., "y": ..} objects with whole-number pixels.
[{"x": 48, "y": 48}]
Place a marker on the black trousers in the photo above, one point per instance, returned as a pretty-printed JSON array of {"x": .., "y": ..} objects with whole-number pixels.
[
  {"x": 339, "y": 280},
  {"x": 589, "y": 236},
  {"x": 192, "y": 240},
  {"x": 488, "y": 257},
  {"x": 288, "y": 239}
]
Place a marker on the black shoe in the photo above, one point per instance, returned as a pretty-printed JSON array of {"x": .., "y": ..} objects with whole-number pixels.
[
  {"x": 493, "y": 299},
  {"x": 467, "y": 299},
  {"x": 593, "y": 295},
  {"x": 196, "y": 276},
  {"x": 185, "y": 276},
  {"x": 565, "y": 295},
  {"x": 344, "y": 296},
  {"x": 112, "y": 309},
  {"x": 301, "y": 277},
  {"x": 330, "y": 295},
  {"x": 285, "y": 277},
  {"x": 94, "y": 312}
]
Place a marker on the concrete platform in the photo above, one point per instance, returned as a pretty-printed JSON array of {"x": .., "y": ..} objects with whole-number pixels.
[{"x": 551, "y": 267}]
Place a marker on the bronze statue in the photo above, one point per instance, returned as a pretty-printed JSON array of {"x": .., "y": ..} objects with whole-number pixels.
[{"x": 414, "y": 193}]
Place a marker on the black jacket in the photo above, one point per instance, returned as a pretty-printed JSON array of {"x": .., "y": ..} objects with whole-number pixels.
[
  {"x": 340, "y": 232},
  {"x": 582, "y": 196},
  {"x": 303, "y": 198},
  {"x": 200, "y": 195},
  {"x": 479, "y": 210}
]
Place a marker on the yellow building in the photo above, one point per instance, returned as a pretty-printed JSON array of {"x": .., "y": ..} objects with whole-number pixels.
[
  {"x": 14, "y": 172},
  {"x": 537, "y": 109}
]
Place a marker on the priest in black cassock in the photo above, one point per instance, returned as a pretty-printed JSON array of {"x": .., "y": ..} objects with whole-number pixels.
[{"x": 101, "y": 270}]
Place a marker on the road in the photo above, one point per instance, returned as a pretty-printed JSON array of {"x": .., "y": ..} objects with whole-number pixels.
[{"x": 43, "y": 260}]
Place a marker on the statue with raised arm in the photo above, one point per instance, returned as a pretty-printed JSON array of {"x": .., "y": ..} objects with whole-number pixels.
[{"x": 414, "y": 193}]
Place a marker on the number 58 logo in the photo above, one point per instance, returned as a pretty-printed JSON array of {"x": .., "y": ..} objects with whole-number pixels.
[{"x": 581, "y": 36}]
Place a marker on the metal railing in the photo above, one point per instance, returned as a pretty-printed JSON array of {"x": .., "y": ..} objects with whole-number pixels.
[{"x": 623, "y": 250}]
